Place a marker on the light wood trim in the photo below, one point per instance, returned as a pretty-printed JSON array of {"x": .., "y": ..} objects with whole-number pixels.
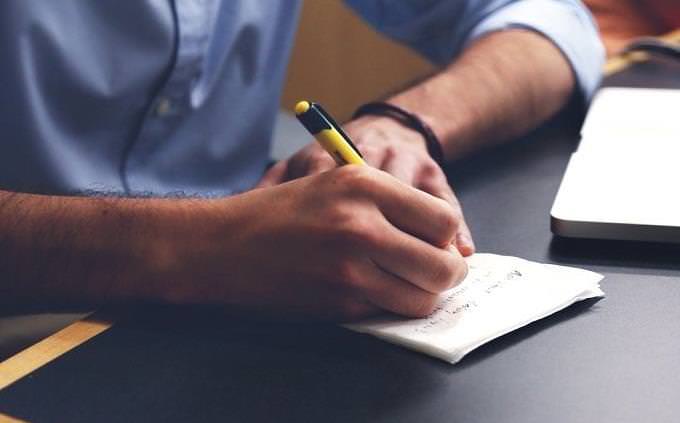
[
  {"x": 37, "y": 355},
  {"x": 4, "y": 418},
  {"x": 621, "y": 62}
]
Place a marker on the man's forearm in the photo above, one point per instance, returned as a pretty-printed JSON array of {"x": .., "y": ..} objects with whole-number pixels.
[
  {"x": 502, "y": 86},
  {"x": 71, "y": 249},
  {"x": 338, "y": 244}
]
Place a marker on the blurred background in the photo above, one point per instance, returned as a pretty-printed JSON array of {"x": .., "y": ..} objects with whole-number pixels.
[
  {"x": 621, "y": 21},
  {"x": 341, "y": 62}
]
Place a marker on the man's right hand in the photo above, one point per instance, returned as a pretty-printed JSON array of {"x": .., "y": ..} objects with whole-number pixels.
[{"x": 341, "y": 245}]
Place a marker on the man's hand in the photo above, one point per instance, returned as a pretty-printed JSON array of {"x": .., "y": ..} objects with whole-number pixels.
[
  {"x": 341, "y": 244},
  {"x": 387, "y": 145}
]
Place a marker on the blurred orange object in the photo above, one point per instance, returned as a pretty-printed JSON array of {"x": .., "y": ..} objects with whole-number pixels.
[
  {"x": 667, "y": 11},
  {"x": 621, "y": 21}
]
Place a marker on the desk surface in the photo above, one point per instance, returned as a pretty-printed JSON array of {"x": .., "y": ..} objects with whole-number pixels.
[{"x": 614, "y": 360}]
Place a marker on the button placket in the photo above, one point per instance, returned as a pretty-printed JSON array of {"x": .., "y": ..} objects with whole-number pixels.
[
  {"x": 194, "y": 28},
  {"x": 163, "y": 107}
]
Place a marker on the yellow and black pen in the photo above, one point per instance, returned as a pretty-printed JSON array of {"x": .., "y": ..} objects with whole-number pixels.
[{"x": 328, "y": 133}]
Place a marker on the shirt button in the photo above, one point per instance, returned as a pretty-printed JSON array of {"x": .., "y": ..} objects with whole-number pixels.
[{"x": 163, "y": 107}]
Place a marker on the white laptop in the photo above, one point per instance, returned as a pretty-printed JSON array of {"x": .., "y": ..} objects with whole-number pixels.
[{"x": 623, "y": 182}]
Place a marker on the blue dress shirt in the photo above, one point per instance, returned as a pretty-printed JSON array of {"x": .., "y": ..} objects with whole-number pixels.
[{"x": 159, "y": 97}]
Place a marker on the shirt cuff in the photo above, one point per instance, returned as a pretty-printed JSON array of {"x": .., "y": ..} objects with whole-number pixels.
[{"x": 569, "y": 26}]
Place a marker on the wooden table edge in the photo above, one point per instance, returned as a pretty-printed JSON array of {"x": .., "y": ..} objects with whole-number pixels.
[
  {"x": 622, "y": 61},
  {"x": 4, "y": 418},
  {"x": 50, "y": 348}
]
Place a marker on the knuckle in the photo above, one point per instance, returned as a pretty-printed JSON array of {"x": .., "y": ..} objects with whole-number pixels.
[
  {"x": 369, "y": 149},
  {"x": 349, "y": 173},
  {"x": 449, "y": 220},
  {"x": 461, "y": 273},
  {"x": 447, "y": 274},
  {"x": 355, "y": 228},
  {"x": 456, "y": 274},
  {"x": 356, "y": 179},
  {"x": 340, "y": 215},
  {"x": 346, "y": 273},
  {"x": 390, "y": 151},
  {"x": 431, "y": 170},
  {"x": 364, "y": 235}
]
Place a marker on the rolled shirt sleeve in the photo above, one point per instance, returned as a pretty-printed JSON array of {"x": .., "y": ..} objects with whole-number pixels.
[{"x": 440, "y": 29}]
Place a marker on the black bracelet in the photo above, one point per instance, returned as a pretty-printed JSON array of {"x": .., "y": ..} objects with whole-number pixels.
[{"x": 407, "y": 119}]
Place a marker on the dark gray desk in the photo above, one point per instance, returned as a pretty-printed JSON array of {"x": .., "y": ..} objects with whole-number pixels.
[{"x": 616, "y": 360}]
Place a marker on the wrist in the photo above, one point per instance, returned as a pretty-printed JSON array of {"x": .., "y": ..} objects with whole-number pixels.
[
  {"x": 179, "y": 235},
  {"x": 385, "y": 128},
  {"x": 406, "y": 119},
  {"x": 201, "y": 251}
]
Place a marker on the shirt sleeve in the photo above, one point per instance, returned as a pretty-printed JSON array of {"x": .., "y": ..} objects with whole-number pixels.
[{"x": 440, "y": 29}]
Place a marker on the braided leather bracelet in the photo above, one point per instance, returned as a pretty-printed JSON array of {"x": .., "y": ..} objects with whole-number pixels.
[{"x": 409, "y": 120}]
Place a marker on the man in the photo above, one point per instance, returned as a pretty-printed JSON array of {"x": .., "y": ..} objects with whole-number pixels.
[
  {"x": 621, "y": 21},
  {"x": 134, "y": 133}
]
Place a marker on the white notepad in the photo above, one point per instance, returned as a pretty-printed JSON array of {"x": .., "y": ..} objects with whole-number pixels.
[{"x": 500, "y": 294}]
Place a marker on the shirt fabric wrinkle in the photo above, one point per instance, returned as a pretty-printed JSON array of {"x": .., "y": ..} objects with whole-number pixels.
[{"x": 161, "y": 97}]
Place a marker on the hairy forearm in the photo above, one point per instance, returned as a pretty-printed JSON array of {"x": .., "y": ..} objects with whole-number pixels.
[
  {"x": 83, "y": 250},
  {"x": 338, "y": 244},
  {"x": 502, "y": 86}
]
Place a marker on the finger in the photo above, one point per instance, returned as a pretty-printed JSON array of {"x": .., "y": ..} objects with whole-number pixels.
[
  {"x": 372, "y": 154},
  {"x": 421, "y": 264},
  {"x": 464, "y": 241},
  {"x": 416, "y": 212},
  {"x": 297, "y": 165},
  {"x": 439, "y": 187},
  {"x": 403, "y": 168},
  {"x": 310, "y": 160},
  {"x": 319, "y": 162},
  {"x": 391, "y": 293},
  {"x": 274, "y": 176}
]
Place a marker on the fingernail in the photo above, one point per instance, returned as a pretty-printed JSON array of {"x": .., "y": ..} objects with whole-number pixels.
[{"x": 465, "y": 244}]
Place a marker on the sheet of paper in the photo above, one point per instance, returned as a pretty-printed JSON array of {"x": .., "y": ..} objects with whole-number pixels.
[{"x": 499, "y": 295}]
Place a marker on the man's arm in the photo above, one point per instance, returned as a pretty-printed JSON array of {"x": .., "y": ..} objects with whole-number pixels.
[
  {"x": 521, "y": 63},
  {"x": 83, "y": 250},
  {"x": 338, "y": 245},
  {"x": 502, "y": 86}
]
